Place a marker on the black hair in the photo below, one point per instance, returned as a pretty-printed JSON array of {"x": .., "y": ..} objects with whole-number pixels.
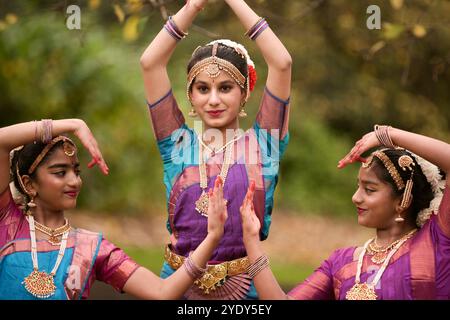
[
  {"x": 223, "y": 52},
  {"x": 422, "y": 192}
]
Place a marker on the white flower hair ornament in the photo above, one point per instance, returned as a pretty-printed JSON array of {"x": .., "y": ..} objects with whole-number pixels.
[
  {"x": 18, "y": 198},
  {"x": 434, "y": 178}
]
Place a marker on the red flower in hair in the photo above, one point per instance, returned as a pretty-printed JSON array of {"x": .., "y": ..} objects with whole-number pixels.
[{"x": 252, "y": 77}]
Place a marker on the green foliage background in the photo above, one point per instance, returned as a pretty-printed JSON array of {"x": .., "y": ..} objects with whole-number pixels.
[{"x": 346, "y": 78}]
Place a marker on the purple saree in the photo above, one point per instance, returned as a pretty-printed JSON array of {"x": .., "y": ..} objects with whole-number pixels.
[
  {"x": 256, "y": 155},
  {"x": 178, "y": 146},
  {"x": 419, "y": 270}
]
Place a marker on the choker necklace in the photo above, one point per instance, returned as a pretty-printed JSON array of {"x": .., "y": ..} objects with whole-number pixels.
[
  {"x": 201, "y": 205},
  {"x": 54, "y": 234},
  {"x": 39, "y": 283},
  {"x": 380, "y": 253},
  {"x": 366, "y": 291}
]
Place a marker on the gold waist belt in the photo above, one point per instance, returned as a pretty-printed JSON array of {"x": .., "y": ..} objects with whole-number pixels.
[{"x": 215, "y": 274}]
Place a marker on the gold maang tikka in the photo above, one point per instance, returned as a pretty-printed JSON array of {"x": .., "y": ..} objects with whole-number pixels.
[{"x": 213, "y": 66}]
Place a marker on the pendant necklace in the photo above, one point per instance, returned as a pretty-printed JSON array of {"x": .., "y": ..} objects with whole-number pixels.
[
  {"x": 366, "y": 291},
  {"x": 201, "y": 205},
  {"x": 39, "y": 283}
]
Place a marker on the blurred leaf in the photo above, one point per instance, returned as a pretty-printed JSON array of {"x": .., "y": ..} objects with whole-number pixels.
[
  {"x": 396, "y": 4},
  {"x": 94, "y": 4},
  {"x": 134, "y": 6},
  {"x": 3, "y": 25},
  {"x": 11, "y": 18},
  {"x": 392, "y": 31},
  {"x": 130, "y": 30},
  {"x": 376, "y": 47},
  {"x": 419, "y": 31},
  {"x": 346, "y": 21},
  {"x": 119, "y": 13}
]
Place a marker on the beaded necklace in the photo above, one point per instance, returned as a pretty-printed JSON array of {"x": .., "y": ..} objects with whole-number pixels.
[
  {"x": 39, "y": 283},
  {"x": 366, "y": 291},
  {"x": 201, "y": 205}
]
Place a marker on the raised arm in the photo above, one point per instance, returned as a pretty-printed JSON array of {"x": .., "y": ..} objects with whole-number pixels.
[
  {"x": 318, "y": 286},
  {"x": 275, "y": 54},
  {"x": 265, "y": 282},
  {"x": 433, "y": 150},
  {"x": 23, "y": 133},
  {"x": 155, "y": 58},
  {"x": 145, "y": 284}
]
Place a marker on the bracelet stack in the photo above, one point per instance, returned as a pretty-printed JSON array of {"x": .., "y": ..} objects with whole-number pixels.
[
  {"x": 256, "y": 267},
  {"x": 383, "y": 136},
  {"x": 257, "y": 29},
  {"x": 173, "y": 30},
  {"x": 43, "y": 131},
  {"x": 193, "y": 271},
  {"x": 46, "y": 131}
]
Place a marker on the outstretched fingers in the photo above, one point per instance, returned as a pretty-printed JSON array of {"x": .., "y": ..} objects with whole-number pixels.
[
  {"x": 97, "y": 158},
  {"x": 247, "y": 204},
  {"x": 354, "y": 155},
  {"x": 367, "y": 142},
  {"x": 250, "y": 222},
  {"x": 217, "y": 205}
]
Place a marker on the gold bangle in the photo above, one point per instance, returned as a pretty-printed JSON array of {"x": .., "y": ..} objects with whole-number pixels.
[{"x": 256, "y": 267}]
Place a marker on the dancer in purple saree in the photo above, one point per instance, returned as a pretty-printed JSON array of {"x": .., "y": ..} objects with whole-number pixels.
[
  {"x": 400, "y": 195},
  {"x": 41, "y": 255},
  {"x": 221, "y": 76}
]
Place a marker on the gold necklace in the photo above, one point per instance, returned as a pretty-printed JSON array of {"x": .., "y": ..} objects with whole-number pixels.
[
  {"x": 53, "y": 234},
  {"x": 201, "y": 205},
  {"x": 366, "y": 291},
  {"x": 379, "y": 253},
  {"x": 39, "y": 283}
]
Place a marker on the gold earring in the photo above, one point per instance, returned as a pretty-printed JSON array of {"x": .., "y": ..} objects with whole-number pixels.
[
  {"x": 192, "y": 113},
  {"x": 31, "y": 205},
  {"x": 399, "y": 219},
  {"x": 242, "y": 113}
]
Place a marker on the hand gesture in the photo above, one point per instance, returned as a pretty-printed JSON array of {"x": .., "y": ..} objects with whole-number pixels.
[
  {"x": 84, "y": 134},
  {"x": 250, "y": 222},
  {"x": 217, "y": 209},
  {"x": 367, "y": 142}
]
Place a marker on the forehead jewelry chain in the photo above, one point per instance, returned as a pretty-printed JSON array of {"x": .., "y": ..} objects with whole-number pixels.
[
  {"x": 366, "y": 291},
  {"x": 201, "y": 205},
  {"x": 39, "y": 283}
]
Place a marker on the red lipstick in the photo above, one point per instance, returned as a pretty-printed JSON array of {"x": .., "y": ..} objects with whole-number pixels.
[{"x": 215, "y": 113}]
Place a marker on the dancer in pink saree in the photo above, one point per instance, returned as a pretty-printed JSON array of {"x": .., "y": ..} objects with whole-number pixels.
[
  {"x": 406, "y": 200},
  {"x": 41, "y": 255}
]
